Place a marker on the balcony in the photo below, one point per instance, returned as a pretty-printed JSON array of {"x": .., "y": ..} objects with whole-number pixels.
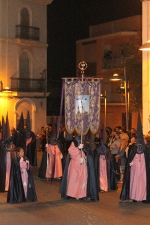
[
  {"x": 27, "y": 32},
  {"x": 28, "y": 85}
]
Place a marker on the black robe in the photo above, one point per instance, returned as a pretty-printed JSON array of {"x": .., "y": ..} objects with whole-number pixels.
[
  {"x": 30, "y": 152},
  {"x": 43, "y": 166},
  {"x": 19, "y": 139},
  {"x": 92, "y": 191},
  {"x": 126, "y": 183},
  {"x": 112, "y": 175},
  {"x": 16, "y": 191}
]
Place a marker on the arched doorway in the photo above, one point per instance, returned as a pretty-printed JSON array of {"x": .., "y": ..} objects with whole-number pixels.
[{"x": 24, "y": 105}]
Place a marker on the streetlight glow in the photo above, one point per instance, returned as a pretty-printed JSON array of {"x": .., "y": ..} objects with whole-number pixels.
[
  {"x": 6, "y": 89},
  {"x": 145, "y": 47},
  {"x": 122, "y": 84},
  {"x": 115, "y": 77}
]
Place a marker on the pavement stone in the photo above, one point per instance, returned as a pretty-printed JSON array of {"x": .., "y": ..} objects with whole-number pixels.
[{"x": 50, "y": 209}]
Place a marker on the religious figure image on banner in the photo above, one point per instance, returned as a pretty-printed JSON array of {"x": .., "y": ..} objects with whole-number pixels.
[{"x": 82, "y": 104}]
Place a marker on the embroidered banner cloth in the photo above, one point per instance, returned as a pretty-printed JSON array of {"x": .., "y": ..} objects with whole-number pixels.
[{"x": 82, "y": 105}]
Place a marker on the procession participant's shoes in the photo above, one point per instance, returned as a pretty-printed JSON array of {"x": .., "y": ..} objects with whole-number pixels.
[
  {"x": 145, "y": 201},
  {"x": 85, "y": 199}
]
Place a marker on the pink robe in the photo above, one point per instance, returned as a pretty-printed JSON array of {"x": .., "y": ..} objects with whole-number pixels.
[
  {"x": 8, "y": 165},
  {"x": 138, "y": 178},
  {"x": 77, "y": 173},
  {"x": 24, "y": 166},
  {"x": 103, "y": 173},
  {"x": 54, "y": 163}
]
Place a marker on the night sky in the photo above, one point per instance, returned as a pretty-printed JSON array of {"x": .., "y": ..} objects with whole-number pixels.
[{"x": 69, "y": 21}]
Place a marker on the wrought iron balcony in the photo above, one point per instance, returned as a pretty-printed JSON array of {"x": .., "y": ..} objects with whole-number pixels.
[
  {"x": 27, "y": 32},
  {"x": 28, "y": 85}
]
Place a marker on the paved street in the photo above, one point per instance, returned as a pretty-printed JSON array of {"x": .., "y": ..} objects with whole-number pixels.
[{"x": 50, "y": 209}]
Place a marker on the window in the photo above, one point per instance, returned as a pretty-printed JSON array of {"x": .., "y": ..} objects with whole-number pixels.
[
  {"x": 24, "y": 72},
  {"x": 107, "y": 59},
  {"x": 24, "y": 23},
  {"x": 24, "y": 17},
  {"x": 24, "y": 66}
]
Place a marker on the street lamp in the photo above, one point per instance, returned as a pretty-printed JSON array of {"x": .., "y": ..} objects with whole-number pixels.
[
  {"x": 116, "y": 77},
  {"x": 145, "y": 46}
]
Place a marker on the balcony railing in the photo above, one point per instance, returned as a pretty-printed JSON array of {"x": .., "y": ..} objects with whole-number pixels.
[
  {"x": 27, "y": 32},
  {"x": 28, "y": 85}
]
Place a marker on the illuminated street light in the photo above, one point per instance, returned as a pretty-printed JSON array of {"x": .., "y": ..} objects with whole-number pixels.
[
  {"x": 6, "y": 89},
  {"x": 116, "y": 77},
  {"x": 145, "y": 47}
]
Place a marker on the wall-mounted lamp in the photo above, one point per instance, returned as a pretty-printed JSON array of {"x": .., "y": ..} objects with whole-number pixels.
[
  {"x": 6, "y": 90},
  {"x": 145, "y": 47},
  {"x": 115, "y": 77}
]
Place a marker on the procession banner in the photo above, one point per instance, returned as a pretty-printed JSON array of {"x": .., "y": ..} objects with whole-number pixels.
[{"x": 82, "y": 105}]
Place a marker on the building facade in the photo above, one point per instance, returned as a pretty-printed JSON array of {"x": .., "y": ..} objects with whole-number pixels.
[
  {"x": 104, "y": 54},
  {"x": 146, "y": 65},
  {"x": 23, "y": 60}
]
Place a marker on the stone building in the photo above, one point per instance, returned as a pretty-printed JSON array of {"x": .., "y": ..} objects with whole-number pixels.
[
  {"x": 146, "y": 65},
  {"x": 23, "y": 60}
]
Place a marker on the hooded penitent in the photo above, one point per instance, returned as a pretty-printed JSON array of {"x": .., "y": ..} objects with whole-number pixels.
[
  {"x": 7, "y": 129},
  {"x": 3, "y": 128},
  {"x": 7, "y": 152},
  {"x": 53, "y": 141},
  {"x": 137, "y": 173},
  {"x": 20, "y": 126},
  {"x": 30, "y": 142},
  {"x": 77, "y": 141},
  {"x": 28, "y": 126},
  {"x": 19, "y": 136}
]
